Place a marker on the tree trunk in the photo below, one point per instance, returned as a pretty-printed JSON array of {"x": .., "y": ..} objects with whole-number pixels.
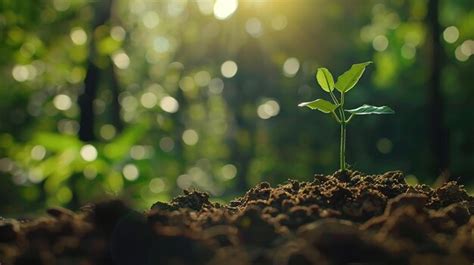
[
  {"x": 91, "y": 81},
  {"x": 115, "y": 105},
  {"x": 439, "y": 135},
  {"x": 86, "y": 103}
]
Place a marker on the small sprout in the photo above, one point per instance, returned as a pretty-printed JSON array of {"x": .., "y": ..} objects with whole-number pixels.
[{"x": 345, "y": 82}]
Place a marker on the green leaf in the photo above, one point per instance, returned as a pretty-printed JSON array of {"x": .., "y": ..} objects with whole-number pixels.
[
  {"x": 57, "y": 142},
  {"x": 349, "y": 79},
  {"x": 368, "y": 110},
  {"x": 325, "y": 79},
  {"x": 319, "y": 104},
  {"x": 119, "y": 148}
]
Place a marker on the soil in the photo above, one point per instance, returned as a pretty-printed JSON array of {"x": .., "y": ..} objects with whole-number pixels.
[{"x": 344, "y": 218}]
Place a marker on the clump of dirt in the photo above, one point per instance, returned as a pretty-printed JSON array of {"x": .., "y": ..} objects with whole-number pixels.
[{"x": 344, "y": 218}]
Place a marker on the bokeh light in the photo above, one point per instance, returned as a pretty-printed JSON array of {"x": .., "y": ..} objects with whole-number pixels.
[
  {"x": 291, "y": 67},
  {"x": 451, "y": 34},
  {"x": 151, "y": 19},
  {"x": 279, "y": 22},
  {"x": 167, "y": 144},
  {"x": 121, "y": 60},
  {"x": 254, "y": 27},
  {"x": 380, "y": 43},
  {"x": 157, "y": 185},
  {"x": 148, "y": 100},
  {"x": 61, "y": 5},
  {"x": 62, "y": 102},
  {"x": 78, "y": 36},
  {"x": 107, "y": 131},
  {"x": 190, "y": 137},
  {"x": 22, "y": 73},
  {"x": 268, "y": 109},
  {"x": 384, "y": 145},
  {"x": 216, "y": 86},
  {"x": 229, "y": 171},
  {"x": 130, "y": 172},
  {"x": 202, "y": 78},
  {"x": 90, "y": 172},
  {"x": 38, "y": 152},
  {"x": 118, "y": 33},
  {"x": 229, "y": 69},
  {"x": 408, "y": 51},
  {"x": 169, "y": 104},
  {"x": 88, "y": 152}
]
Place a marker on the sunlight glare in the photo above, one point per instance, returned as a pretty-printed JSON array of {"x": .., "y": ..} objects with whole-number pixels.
[{"x": 223, "y": 9}]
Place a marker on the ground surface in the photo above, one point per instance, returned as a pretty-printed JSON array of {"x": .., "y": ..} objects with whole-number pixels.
[{"x": 346, "y": 218}]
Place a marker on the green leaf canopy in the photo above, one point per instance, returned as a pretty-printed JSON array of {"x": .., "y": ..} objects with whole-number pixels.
[
  {"x": 368, "y": 110},
  {"x": 349, "y": 79},
  {"x": 319, "y": 104},
  {"x": 325, "y": 79}
]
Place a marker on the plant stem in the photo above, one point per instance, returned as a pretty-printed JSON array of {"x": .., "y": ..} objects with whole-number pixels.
[
  {"x": 334, "y": 98},
  {"x": 336, "y": 117},
  {"x": 350, "y": 118},
  {"x": 342, "y": 155}
]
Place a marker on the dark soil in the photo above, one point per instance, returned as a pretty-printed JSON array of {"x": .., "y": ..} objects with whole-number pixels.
[{"x": 346, "y": 218}]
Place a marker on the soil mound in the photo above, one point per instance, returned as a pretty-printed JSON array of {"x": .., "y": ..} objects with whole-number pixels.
[{"x": 344, "y": 218}]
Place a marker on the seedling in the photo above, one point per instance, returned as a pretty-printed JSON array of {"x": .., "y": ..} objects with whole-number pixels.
[{"x": 345, "y": 82}]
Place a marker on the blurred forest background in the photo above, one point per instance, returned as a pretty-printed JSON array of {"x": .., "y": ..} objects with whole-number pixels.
[{"x": 140, "y": 99}]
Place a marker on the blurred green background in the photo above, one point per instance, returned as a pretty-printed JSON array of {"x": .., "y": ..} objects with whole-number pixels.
[{"x": 140, "y": 99}]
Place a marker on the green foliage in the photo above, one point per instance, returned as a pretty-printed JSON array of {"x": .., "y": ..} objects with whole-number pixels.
[
  {"x": 345, "y": 82},
  {"x": 349, "y": 79},
  {"x": 369, "y": 109},
  {"x": 325, "y": 79},
  {"x": 319, "y": 104}
]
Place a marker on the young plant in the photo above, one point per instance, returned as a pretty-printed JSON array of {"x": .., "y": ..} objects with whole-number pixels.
[{"x": 345, "y": 82}]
